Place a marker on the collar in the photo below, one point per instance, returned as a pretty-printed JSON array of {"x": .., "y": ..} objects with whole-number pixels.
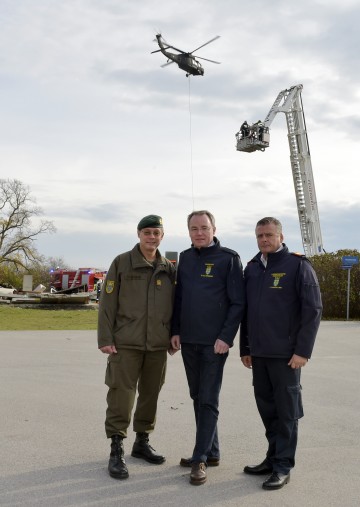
[
  {"x": 202, "y": 251},
  {"x": 139, "y": 261},
  {"x": 264, "y": 260}
]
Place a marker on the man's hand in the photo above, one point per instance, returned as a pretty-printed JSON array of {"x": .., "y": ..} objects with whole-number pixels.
[
  {"x": 221, "y": 347},
  {"x": 246, "y": 361},
  {"x": 174, "y": 344},
  {"x": 297, "y": 361},
  {"x": 108, "y": 349}
]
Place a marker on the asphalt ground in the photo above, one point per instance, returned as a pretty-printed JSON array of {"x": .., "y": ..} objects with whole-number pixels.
[{"x": 54, "y": 451}]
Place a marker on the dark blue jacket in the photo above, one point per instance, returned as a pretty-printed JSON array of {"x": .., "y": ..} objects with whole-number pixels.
[
  {"x": 209, "y": 295},
  {"x": 283, "y": 306}
]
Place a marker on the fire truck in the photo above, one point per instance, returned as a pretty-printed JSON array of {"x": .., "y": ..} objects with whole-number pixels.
[
  {"x": 69, "y": 281},
  {"x": 256, "y": 137}
]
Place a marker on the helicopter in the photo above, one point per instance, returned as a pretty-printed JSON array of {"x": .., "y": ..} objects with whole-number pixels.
[{"x": 186, "y": 61}]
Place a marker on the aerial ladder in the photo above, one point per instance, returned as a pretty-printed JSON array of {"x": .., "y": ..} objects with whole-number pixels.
[{"x": 256, "y": 137}]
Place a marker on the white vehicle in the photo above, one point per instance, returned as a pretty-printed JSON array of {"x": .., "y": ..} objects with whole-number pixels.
[
  {"x": 5, "y": 292},
  {"x": 257, "y": 137}
]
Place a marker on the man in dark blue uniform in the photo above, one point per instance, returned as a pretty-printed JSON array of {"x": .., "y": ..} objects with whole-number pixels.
[
  {"x": 276, "y": 340},
  {"x": 209, "y": 305}
]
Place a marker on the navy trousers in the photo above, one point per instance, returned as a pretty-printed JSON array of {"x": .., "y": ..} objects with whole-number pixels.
[
  {"x": 204, "y": 372},
  {"x": 277, "y": 392}
]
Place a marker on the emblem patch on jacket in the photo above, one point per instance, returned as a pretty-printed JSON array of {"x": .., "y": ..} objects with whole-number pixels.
[
  {"x": 276, "y": 282},
  {"x": 110, "y": 285},
  {"x": 208, "y": 269}
]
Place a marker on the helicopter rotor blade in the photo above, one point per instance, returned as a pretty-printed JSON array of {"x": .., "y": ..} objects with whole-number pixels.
[
  {"x": 168, "y": 47},
  {"x": 212, "y": 61},
  {"x": 166, "y": 64},
  {"x": 176, "y": 49},
  {"x": 165, "y": 44},
  {"x": 171, "y": 47},
  {"x": 158, "y": 50},
  {"x": 206, "y": 43}
]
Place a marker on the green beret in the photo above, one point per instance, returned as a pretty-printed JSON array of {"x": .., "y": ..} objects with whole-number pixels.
[{"x": 150, "y": 221}]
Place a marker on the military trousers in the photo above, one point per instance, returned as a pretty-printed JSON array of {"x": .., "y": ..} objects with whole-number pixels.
[
  {"x": 130, "y": 371},
  {"x": 277, "y": 392}
]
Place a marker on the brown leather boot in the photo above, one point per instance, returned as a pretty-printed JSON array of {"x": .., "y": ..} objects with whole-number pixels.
[
  {"x": 198, "y": 474},
  {"x": 211, "y": 462}
]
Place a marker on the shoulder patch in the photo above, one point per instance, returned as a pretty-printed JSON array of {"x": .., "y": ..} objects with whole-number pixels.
[
  {"x": 301, "y": 256},
  {"x": 110, "y": 285}
]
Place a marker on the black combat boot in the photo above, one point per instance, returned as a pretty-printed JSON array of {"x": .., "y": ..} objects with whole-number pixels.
[
  {"x": 142, "y": 449},
  {"x": 117, "y": 466}
]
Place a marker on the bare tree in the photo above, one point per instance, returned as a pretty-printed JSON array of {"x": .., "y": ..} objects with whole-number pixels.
[{"x": 17, "y": 232}]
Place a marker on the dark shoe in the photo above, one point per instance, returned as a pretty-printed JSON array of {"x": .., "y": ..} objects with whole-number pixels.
[
  {"x": 142, "y": 449},
  {"x": 276, "y": 481},
  {"x": 198, "y": 474},
  {"x": 117, "y": 467},
  {"x": 211, "y": 462},
  {"x": 262, "y": 469}
]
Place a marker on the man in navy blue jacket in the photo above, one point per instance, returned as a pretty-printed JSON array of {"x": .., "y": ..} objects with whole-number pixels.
[
  {"x": 209, "y": 305},
  {"x": 276, "y": 340}
]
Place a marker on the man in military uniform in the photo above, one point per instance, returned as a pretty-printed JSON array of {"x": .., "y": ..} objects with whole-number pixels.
[
  {"x": 134, "y": 329},
  {"x": 276, "y": 340}
]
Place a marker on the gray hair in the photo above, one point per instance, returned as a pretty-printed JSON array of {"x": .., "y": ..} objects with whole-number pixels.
[
  {"x": 201, "y": 212},
  {"x": 270, "y": 220}
]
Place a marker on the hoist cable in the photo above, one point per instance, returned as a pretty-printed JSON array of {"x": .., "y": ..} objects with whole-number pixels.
[{"x": 191, "y": 165}]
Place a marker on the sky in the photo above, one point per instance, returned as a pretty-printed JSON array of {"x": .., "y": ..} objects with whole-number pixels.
[{"x": 103, "y": 135}]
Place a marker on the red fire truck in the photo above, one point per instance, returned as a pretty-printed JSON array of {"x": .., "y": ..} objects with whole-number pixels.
[{"x": 79, "y": 280}]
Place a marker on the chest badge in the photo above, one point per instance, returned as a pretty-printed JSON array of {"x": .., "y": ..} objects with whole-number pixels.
[
  {"x": 277, "y": 277},
  {"x": 208, "y": 271}
]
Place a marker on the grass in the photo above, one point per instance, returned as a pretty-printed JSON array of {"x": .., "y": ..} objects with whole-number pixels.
[{"x": 22, "y": 319}]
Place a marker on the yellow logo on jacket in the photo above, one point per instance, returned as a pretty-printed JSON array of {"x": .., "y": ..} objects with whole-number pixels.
[
  {"x": 208, "y": 269},
  {"x": 277, "y": 277}
]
